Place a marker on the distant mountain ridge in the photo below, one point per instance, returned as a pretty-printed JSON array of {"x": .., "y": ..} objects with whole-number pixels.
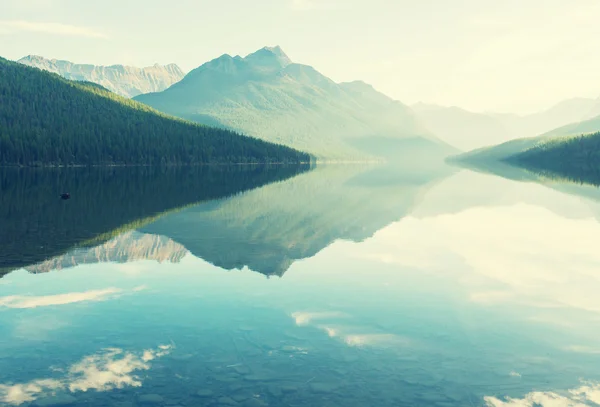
[
  {"x": 511, "y": 148},
  {"x": 268, "y": 96},
  {"x": 469, "y": 130},
  {"x": 569, "y": 152},
  {"x": 124, "y": 80}
]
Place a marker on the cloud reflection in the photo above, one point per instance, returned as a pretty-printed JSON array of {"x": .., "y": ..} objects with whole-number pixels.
[
  {"x": 586, "y": 395},
  {"x": 348, "y": 334},
  {"x": 28, "y": 301},
  {"x": 554, "y": 265},
  {"x": 305, "y": 318},
  {"x": 109, "y": 369}
]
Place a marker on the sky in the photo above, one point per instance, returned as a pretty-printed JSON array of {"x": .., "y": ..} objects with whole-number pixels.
[{"x": 517, "y": 56}]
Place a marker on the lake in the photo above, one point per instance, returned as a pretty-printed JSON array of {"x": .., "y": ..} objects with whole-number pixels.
[{"x": 296, "y": 286}]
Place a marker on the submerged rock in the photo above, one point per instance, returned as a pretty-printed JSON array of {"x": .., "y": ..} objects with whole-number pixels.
[
  {"x": 323, "y": 387},
  {"x": 56, "y": 401},
  {"x": 289, "y": 388},
  {"x": 204, "y": 393},
  {"x": 254, "y": 402},
  {"x": 275, "y": 391},
  {"x": 227, "y": 401},
  {"x": 151, "y": 399},
  {"x": 241, "y": 397},
  {"x": 236, "y": 387},
  {"x": 242, "y": 370}
]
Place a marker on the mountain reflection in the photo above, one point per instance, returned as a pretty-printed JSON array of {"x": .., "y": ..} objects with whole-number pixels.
[
  {"x": 268, "y": 229},
  {"x": 265, "y": 229},
  {"x": 106, "y": 202},
  {"x": 482, "y": 291},
  {"x": 130, "y": 246}
]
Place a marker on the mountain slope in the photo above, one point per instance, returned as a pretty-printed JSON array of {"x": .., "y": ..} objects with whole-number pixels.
[
  {"x": 571, "y": 152},
  {"x": 511, "y": 148},
  {"x": 462, "y": 128},
  {"x": 126, "y": 81},
  {"x": 267, "y": 96},
  {"x": 563, "y": 113},
  {"x": 48, "y": 120},
  {"x": 573, "y": 157},
  {"x": 468, "y": 130}
]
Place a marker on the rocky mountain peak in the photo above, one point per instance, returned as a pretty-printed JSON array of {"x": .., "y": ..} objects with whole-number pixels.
[
  {"x": 127, "y": 81},
  {"x": 269, "y": 57}
]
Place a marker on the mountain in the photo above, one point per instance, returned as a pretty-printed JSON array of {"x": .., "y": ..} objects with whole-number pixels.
[
  {"x": 127, "y": 81},
  {"x": 511, "y": 148},
  {"x": 48, "y": 120},
  {"x": 571, "y": 152},
  {"x": 268, "y": 96},
  {"x": 462, "y": 128},
  {"x": 594, "y": 111},
  {"x": 565, "y": 112},
  {"x": 575, "y": 158},
  {"x": 468, "y": 130}
]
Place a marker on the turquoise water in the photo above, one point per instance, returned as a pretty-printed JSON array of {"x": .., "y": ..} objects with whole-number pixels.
[{"x": 326, "y": 289}]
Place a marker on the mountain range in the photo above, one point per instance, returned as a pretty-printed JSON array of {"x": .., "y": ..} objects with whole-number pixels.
[
  {"x": 46, "y": 120},
  {"x": 468, "y": 130},
  {"x": 267, "y": 96},
  {"x": 511, "y": 148},
  {"x": 127, "y": 81},
  {"x": 570, "y": 152}
]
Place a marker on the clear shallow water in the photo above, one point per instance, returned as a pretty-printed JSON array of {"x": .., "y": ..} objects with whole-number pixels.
[{"x": 433, "y": 289}]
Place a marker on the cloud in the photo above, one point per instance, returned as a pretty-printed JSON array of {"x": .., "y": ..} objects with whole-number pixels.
[
  {"x": 16, "y": 26},
  {"x": 308, "y": 5},
  {"x": 586, "y": 395},
  {"x": 109, "y": 369},
  {"x": 25, "y": 301}
]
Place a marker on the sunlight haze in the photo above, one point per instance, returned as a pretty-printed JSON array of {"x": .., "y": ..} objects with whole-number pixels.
[{"x": 512, "y": 56}]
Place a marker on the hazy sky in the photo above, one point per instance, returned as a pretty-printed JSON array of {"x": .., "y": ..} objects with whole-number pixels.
[{"x": 509, "y": 55}]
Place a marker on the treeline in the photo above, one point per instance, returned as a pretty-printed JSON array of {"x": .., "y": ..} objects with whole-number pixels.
[
  {"x": 46, "y": 120},
  {"x": 575, "y": 158},
  {"x": 37, "y": 224}
]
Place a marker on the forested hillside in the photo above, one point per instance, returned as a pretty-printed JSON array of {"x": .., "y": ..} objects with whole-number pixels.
[
  {"x": 576, "y": 157},
  {"x": 48, "y": 120}
]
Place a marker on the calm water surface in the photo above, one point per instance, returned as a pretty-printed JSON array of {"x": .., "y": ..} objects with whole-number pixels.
[{"x": 336, "y": 286}]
